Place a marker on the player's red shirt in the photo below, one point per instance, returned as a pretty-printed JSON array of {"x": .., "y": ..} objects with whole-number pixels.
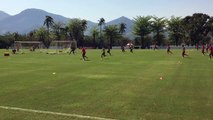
[
  {"x": 197, "y": 46},
  {"x": 83, "y": 50},
  {"x": 211, "y": 48},
  {"x": 203, "y": 47},
  {"x": 168, "y": 46}
]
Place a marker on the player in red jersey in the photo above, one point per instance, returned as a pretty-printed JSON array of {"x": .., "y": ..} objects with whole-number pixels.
[
  {"x": 207, "y": 48},
  {"x": 211, "y": 51},
  {"x": 197, "y": 46},
  {"x": 84, "y": 54},
  {"x": 203, "y": 49}
]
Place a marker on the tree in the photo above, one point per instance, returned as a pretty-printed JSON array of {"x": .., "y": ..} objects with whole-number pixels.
[
  {"x": 49, "y": 23},
  {"x": 88, "y": 40},
  {"x": 83, "y": 25},
  {"x": 31, "y": 35},
  {"x": 158, "y": 28},
  {"x": 196, "y": 27},
  {"x": 111, "y": 32},
  {"x": 65, "y": 33},
  {"x": 83, "y": 28},
  {"x": 122, "y": 28},
  {"x": 15, "y": 35},
  {"x": 6, "y": 40},
  {"x": 175, "y": 29},
  {"x": 94, "y": 33},
  {"x": 142, "y": 28},
  {"x": 76, "y": 30},
  {"x": 42, "y": 35},
  {"x": 209, "y": 30},
  {"x": 101, "y": 22},
  {"x": 57, "y": 30}
]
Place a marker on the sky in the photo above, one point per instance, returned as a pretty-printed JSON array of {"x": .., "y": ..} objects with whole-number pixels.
[{"x": 93, "y": 10}]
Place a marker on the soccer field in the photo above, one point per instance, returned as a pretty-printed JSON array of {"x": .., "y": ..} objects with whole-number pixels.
[{"x": 145, "y": 85}]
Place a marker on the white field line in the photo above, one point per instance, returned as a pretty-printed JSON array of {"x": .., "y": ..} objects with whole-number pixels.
[{"x": 54, "y": 113}]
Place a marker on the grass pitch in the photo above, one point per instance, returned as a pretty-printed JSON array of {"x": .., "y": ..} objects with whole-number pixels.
[{"x": 144, "y": 85}]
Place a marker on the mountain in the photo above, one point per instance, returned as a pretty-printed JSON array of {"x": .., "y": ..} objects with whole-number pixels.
[
  {"x": 3, "y": 15},
  {"x": 27, "y": 20},
  {"x": 90, "y": 26},
  {"x": 31, "y": 19},
  {"x": 129, "y": 24}
]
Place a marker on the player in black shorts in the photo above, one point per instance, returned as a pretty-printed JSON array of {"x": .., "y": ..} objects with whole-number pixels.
[
  {"x": 103, "y": 53},
  {"x": 168, "y": 50},
  {"x": 184, "y": 51},
  {"x": 108, "y": 51},
  {"x": 211, "y": 51},
  {"x": 122, "y": 49}
]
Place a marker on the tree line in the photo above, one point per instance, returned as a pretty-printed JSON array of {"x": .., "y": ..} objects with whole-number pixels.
[{"x": 147, "y": 30}]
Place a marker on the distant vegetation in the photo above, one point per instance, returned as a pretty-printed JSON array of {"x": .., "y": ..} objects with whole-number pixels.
[{"x": 148, "y": 30}]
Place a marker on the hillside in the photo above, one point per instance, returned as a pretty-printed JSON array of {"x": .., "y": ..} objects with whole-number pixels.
[
  {"x": 31, "y": 19},
  {"x": 27, "y": 20},
  {"x": 3, "y": 15},
  {"x": 129, "y": 24}
]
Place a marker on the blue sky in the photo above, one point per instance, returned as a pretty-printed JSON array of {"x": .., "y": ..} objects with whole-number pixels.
[{"x": 111, "y": 9}]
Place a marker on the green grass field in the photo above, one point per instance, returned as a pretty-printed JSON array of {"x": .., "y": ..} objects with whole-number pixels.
[{"x": 123, "y": 86}]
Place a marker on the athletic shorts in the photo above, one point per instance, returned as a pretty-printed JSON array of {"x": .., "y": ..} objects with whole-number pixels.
[
  {"x": 202, "y": 51},
  {"x": 183, "y": 53}
]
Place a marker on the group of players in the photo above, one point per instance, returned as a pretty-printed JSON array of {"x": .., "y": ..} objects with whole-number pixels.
[{"x": 204, "y": 49}]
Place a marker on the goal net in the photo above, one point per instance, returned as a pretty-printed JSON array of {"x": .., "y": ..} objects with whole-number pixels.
[
  {"x": 61, "y": 46},
  {"x": 23, "y": 46}
]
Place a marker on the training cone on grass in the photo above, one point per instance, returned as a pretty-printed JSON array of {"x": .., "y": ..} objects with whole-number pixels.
[{"x": 179, "y": 62}]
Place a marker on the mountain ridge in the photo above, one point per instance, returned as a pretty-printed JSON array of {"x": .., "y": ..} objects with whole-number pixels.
[
  {"x": 30, "y": 19},
  {"x": 3, "y": 15}
]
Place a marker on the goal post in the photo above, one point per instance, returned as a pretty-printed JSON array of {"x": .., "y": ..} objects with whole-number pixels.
[
  {"x": 31, "y": 45},
  {"x": 62, "y": 46}
]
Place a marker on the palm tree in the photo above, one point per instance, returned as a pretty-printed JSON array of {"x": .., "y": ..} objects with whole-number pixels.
[
  {"x": 83, "y": 28},
  {"x": 84, "y": 24},
  {"x": 65, "y": 32},
  {"x": 48, "y": 22},
  {"x": 31, "y": 35},
  {"x": 158, "y": 27},
  {"x": 122, "y": 28},
  {"x": 94, "y": 33},
  {"x": 57, "y": 30},
  {"x": 16, "y": 35},
  {"x": 142, "y": 27},
  {"x": 101, "y": 22},
  {"x": 111, "y": 32},
  {"x": 41, "y": 34},
  {"x": 76, "y": 30},
  {"x": 175, "y": 29}
]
